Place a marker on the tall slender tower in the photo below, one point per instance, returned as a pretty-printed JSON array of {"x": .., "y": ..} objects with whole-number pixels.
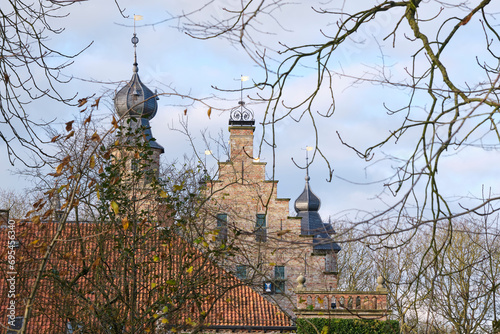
[{"x": 136, "y": 105}]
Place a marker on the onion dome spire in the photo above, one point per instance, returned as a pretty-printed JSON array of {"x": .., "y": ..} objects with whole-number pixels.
[
  {"x": 307, "y": 206},
  {"x": 136, "y": 100},
  {"x": 307, "y": 201}
]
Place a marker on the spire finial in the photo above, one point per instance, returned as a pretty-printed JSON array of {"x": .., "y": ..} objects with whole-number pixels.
[
  {"x": 308, "y": 148},
  {"x": 135, "y": 40},
  {"x": 242, "y": 103},
  {"x": 241, "y": 115}
]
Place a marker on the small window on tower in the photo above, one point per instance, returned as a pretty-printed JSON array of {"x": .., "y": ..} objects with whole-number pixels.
[
  {"x": 260, "y": 228},
  {"x": 279, "y": 278},
  {"x": 330, "y": 263},
  {"x": 222, "y": 227}
]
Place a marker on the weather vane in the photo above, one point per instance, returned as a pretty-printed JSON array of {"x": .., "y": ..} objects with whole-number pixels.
[
  {"x": 135, "y": 39},
  {"x": 308, "y": 148}
]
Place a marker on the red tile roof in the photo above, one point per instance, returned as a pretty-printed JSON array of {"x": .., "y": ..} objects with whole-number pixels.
[{"x": 93, "y": 272}]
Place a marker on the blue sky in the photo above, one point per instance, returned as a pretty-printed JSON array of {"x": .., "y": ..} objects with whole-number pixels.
[{"x": 169, "y": 59}]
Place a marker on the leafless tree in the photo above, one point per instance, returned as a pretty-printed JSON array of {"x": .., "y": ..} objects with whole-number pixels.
[
  {"x": 444, "y": 113},
  {"x": 28, "y": 70}
]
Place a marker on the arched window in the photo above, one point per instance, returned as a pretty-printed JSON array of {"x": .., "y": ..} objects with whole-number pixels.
[{"x": 333, "y": 302}]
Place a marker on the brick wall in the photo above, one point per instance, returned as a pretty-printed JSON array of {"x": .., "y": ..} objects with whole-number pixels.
[{"x": 242, "y": 192}]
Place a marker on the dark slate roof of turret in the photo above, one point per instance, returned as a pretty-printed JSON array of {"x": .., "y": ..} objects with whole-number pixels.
[
  {"x": 307, "y": 206},
  {"x": 307, "y": 201},
  {"x": 136, "y": 100},
  {"x": 143, "y": 123}
]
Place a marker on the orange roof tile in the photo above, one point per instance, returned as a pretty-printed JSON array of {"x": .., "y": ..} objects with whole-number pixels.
[{"x": 86, "y": 277}]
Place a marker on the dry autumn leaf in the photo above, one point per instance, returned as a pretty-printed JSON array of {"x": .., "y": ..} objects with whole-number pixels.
[
  {"x": 81, "y": 102},
  {"x": 115, "y": 207},
  {"x": 209, "y": 112},
  {"x": 115, "y": 180},
  {"x": 96, "y": 263},
  {"x": 466, "y": 19},
  {"x": 50, "y": 193},
  {"x": 71, "y": 134},
  {"x": 125, "y": 223},
  {"x": 66, "y": 159},
  {"x": 59, "y": 169},
  {"x": 280, "y": 233},
  {"x": 38, "y": 203},
  {"x": 47, "y": 214},
  {"x": 95, "y": 137},
  {"x": 69, "y": 125},
  {"x": 114, "y": 122},
  {"x": 96, "y": 103}
]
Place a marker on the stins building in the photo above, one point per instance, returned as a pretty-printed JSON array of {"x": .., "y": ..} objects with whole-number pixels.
[{"x": 271, "y": 266}]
